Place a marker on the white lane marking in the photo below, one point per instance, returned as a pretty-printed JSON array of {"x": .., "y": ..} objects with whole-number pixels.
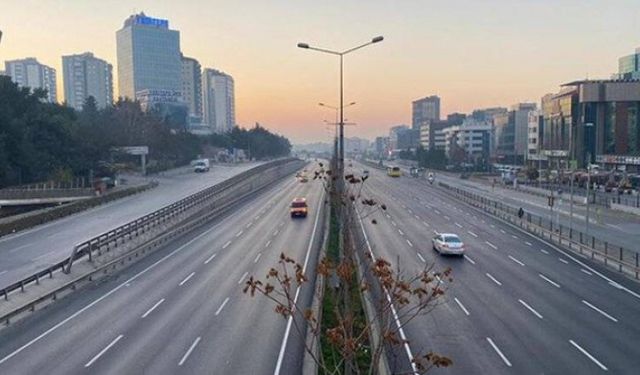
[
  {"x": 503, "y": 232},
  {"x": 409, "y": 211},
  {"x": 226, "y": 245},
  {"x": 530, "y": 308},
  {"x": 98, "y": 300},
  {"x": 438, "y": 212},
  {"x": 469, "y": 259},
  {"x": 403, "y": 206},
  {"x": 388, "y": 216},
  {"x": 275, "y": 233},
  {"x": 585, "y": 271},
  {"x": 267, "y": 244},
  {"x": 187, "y": 278},
  {"x": 600, "y": 311},
  {"x": 401, "y": 232},
  {"x": 425, "y": 223},
  {"x": 492, "y": 226},
  {"x": 152, "y": 308},
  {"x": 563, "y": 261},
  {"x": 103, "y": 351},
  {"x": 464, "y": 309},
  {"x": 44, "y": 255},
  {"x": 417, "y": 217},
  {"x": 239, "y": 234},
  {"x": 257, "y": 257},
  {"x": 188, "y": 353},
  {"x": 492, "y": 245},
  {"x": 493, "y": 278},
  {"x": 514, "y": 236},
  {"x": 295, "y": 298},
  {"x": 573, "y": 258},
  {"x": 249, "y": 225},
  {"x": 549, "y": 280},
  {"x": 19, "y": 248},
  {"x": 210, "y": 258},
  {"x": 3, "y": 272},
  {"x": 242, "y": 278},
  {"x": 473, "y": 234},
  {"x": 281, "y": 224},
  {"x": 409, "y": 242},
  {"x": 421, "y": 258},
  {"x": 516, "y": 260},
  {"x": 435, "y": 231},
  {"x": 257, "y": 217},
  {"x": 394, "y": 223},
  {"x": 458, "y": 225},
  {"x": 447, "y": 217},
  {"x": 528, "y": 243},
  {"x": 588, "y": 355},
  {"x": 495, "y": 347},
  {"x": 544, "y": 251},
  {"x": 222, "y": 306}
]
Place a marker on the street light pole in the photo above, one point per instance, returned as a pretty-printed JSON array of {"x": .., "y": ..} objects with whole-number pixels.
[{"x": 341, "y": 124}]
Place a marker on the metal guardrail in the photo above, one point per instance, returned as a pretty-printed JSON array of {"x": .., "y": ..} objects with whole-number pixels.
[
  {"x": 141, "y": 225},
  {"x": 624, "y": 260}
]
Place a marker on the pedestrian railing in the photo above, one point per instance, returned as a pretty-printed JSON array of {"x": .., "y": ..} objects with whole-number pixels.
[{"x": 623, "y": 259}]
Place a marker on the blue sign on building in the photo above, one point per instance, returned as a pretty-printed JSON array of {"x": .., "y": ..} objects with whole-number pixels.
[{"x": 143, "y": 20}]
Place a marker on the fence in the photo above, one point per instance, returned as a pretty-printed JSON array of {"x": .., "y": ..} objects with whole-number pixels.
[
  {"x": 623, "y": 259},
  {"x": 192, "y": 206}
]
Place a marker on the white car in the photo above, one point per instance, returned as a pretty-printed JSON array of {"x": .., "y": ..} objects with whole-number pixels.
[{"x": 448, "y": 243}]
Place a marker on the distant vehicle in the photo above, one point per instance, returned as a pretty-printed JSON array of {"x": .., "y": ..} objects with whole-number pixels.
[
  {"x": 201, "y": 165},
  {"x": 303, "y": 178},
  {"x": 465, "y": 176},
  {"x": 394, "y": 171},
  {"x": 299, "y": 208},
  {"x": 448, "y": 243},
  {"x": 431, "y": 177},
  {"x": 416, "y": 172},
  {"x": 365, "y": 172}
]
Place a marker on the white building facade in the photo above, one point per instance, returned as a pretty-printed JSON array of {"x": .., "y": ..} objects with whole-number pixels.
[
  {"x": 473, "y": 137},
  {"x": 218, "y": 100},
  {"x": 84, "y": 75},
  {"x": 192, "y": 85},
  {"x": 30, "y": 73}
]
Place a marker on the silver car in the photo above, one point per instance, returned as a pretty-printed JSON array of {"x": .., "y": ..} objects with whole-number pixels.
[{"x": 448, "y": 243}]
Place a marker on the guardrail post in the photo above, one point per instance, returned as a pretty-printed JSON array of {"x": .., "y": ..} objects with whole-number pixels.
[{"x": 620, "y": 265}]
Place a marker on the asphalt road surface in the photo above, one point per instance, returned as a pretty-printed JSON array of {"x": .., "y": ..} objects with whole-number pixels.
[
  {"x": 29, "y": 251},
  {"x": 516, "y": 305},
  {"x": 181, "y": 310}
]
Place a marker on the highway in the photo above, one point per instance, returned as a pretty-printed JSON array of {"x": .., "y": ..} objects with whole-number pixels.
[
  {"x": 29, "y": 251},
  {"x": 616, "y": 227},
  {"x": 181, "y": 310},
  {"x": 516, "y": 305}
]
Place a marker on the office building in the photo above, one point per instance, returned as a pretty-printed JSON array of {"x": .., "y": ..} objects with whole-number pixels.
[
  {"x": 469, "y": 142},
  {"x": 535, "y": 138},
  {"x": 488, "y": 114},
  {"x": 425, "y": 109},
  {"x": 394, "y": 135},
  {"x": 85, "y": 75},
  {"x": 431, "y": 135},
  {"x": 629, "y": 66},
  {"x": 511, "y": 134},
  {"x": 192, "y": 85},
  {"x": 149, "y": 56},
  {"x": 594, "y": 121},
  {"x": 218, "y": 100},
  {"x": 30, "y": 73}
]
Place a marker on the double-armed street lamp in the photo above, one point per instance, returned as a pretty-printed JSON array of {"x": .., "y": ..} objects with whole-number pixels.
[{"x": 341, "y": 106}]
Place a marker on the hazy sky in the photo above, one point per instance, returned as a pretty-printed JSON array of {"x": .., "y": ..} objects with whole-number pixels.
[{"x": 473, "y": 53}]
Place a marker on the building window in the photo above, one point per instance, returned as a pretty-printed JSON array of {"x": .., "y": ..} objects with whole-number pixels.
[{"x": 610, "y": 128}]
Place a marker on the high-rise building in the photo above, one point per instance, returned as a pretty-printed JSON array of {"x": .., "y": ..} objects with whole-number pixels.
[
  {"x": 192, "y": 85},
  {"x": 629, "y": 66},
  {"x": 218, "y": 100},
  {"x": 30, "y": 73},
  {"x": 535, "y": 138},
  {"x": 148, "y": 56},
  {"x": 425, "y": 109},
  {"x": 85, "y": 75}
]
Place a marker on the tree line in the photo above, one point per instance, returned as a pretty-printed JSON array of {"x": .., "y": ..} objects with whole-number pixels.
[{"x": 42, "y": 141}]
